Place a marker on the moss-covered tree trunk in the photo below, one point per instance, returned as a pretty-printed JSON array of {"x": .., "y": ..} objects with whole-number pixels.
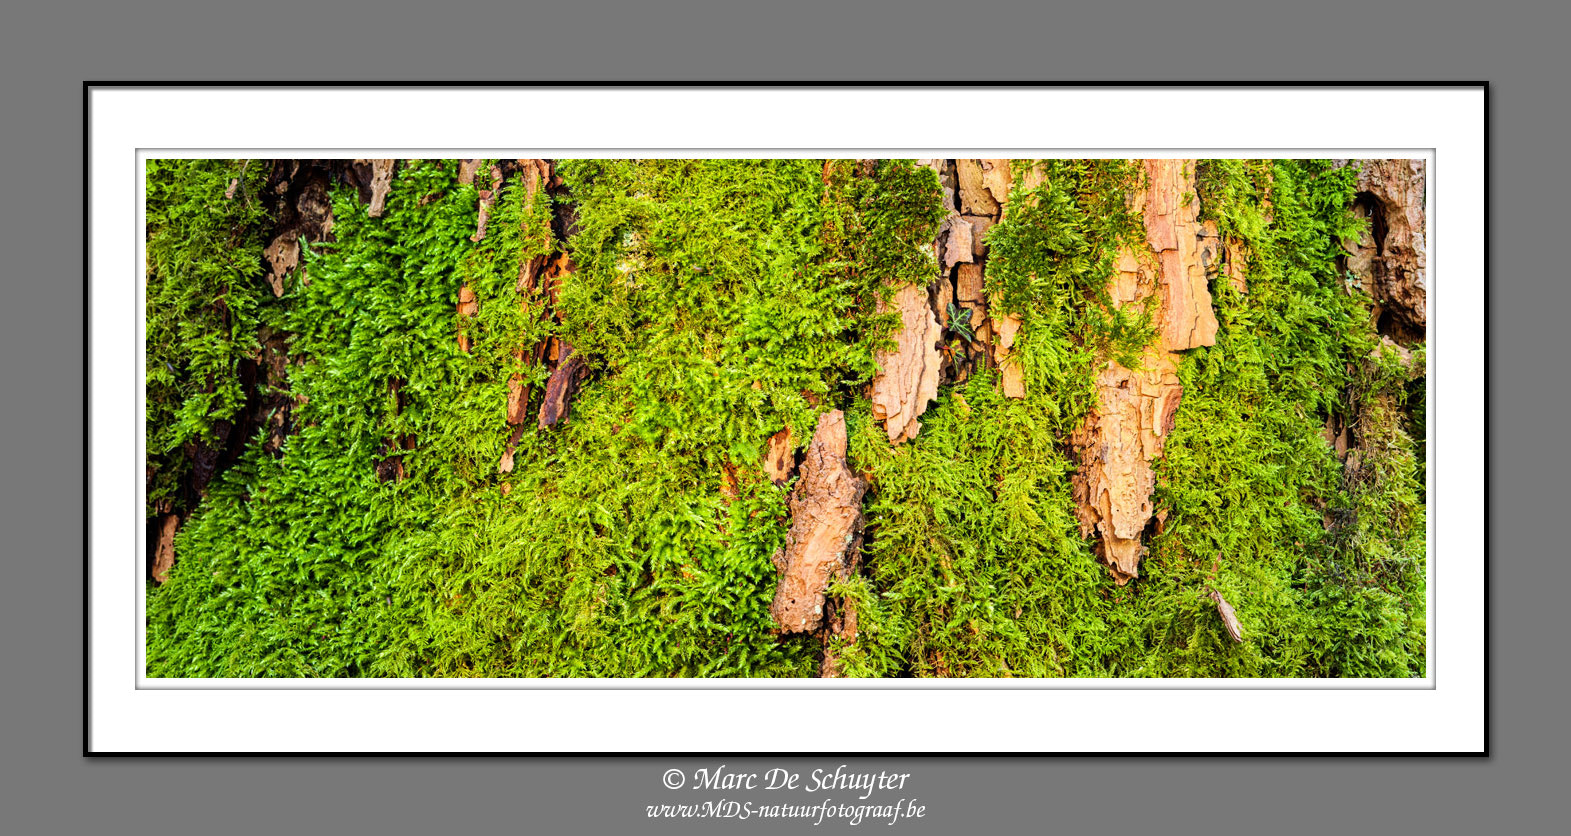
[{"x": 785, "y": 418}]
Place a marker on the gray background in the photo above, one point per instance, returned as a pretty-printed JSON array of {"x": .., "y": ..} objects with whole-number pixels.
[{"x": 46, "y": 51}]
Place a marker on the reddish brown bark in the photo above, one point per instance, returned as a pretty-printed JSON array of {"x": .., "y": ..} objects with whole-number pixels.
[{"x": 824, "y": 509}]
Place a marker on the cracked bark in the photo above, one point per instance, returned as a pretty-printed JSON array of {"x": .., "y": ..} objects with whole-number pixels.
[
  {"x": 539, "y": 280},
  {"x": 976, "y": 193},
  {"x": 825, "y": 506},
  {"x": 840, "y": 619},
  {"x": 1390, "y": 260},
  {"x": 1136, "y": 408},
  {"x": 908, "y": 375}
]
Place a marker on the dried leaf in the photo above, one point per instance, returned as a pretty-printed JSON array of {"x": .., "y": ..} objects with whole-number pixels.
[{"x": 1229, "y": 618}]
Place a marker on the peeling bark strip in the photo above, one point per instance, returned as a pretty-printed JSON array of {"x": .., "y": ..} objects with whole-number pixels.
[
  {"x": 563, "y": 385},
  {"x": 908, "y": 376},
  {"x": 1136, "y": 409},
  {"x": 164, "y": 558},
  {"x": 377, "y": 177},
  {"x": 1390, "y": 259},
  {"x": 824, "y": 508}
]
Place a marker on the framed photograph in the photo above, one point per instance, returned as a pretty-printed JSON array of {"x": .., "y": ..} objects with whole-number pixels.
[{"x": 1110, "y": 419}]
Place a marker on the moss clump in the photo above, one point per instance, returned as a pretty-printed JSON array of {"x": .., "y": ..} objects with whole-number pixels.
[{"x": 205, "y": 298}]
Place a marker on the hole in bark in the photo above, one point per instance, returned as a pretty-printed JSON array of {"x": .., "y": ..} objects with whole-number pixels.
[{"x": 1369, "y": 206}]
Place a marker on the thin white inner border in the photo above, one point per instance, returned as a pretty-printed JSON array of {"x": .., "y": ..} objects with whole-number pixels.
[{"x": 1441, "y": 713}]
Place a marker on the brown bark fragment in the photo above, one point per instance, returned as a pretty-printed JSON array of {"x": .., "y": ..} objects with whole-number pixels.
[
  {"x": 563, "y": 386},
  {"x": 943, "y": 297},
  {"x": 969, "y": 284},
  {"x": 1012, "y": 375},
  {"x": 958, "y": 244},
  {"x": 908, "y": 376},
  {"x": 466, "y": 171},
  {"x": 506, "y": 464},
  {"x": 779, "y": 459},
  {"x": 983, "y": 344},
  {"x": 283, "y": 255},
  {"x": 1177, "y": 237},
  {"x": 1117, "y": 443},
  {"x": 304, "y": 212},
  {"x": 976, "y": 194},
  {"x": 468, "y": 303},
  {"x": 1392, "y": 260},
  {"x": 980, "y": 225},
  {"x": 1137, "y": 408},
  {"x": 487, "y": 197},
  {"x": 468, "y": 307},
  {"x": 380, "y": 179},
  {"x": 996, "y": 178},
  {"x": 517, "y": 400},
  {"x": 824, "y": 509},
  {"x": 535, "y": 173},
  {"x": 164, "y": 558},
  {"x": 841, "y": 620},
  {"x": 1235, "y": 262},
  {"x": 728, "y": 484}
]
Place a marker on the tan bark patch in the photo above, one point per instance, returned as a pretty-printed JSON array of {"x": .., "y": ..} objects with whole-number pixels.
[
  {"x": 164, "y": 558},
  {"x": 824, "y": 509},
  {"x": 908, "y": 376},
  {"x": 1176, "y": 236},
  {"x": 535, "y": 173},
  {"x": 980, "y": 225},
  {"x": 283, "y": 255},
  {"x": 381, "y": 180},
  {"x": 958, "y": 244},
  {"x": 468, "y": 307},
  {"x": 1003, "y": 354},
  {"x": 976, "y": 198}
]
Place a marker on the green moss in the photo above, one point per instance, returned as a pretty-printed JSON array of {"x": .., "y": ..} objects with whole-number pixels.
[
  {"x": 717, "y": 301},
  {"x": 205, "y": 297}
]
